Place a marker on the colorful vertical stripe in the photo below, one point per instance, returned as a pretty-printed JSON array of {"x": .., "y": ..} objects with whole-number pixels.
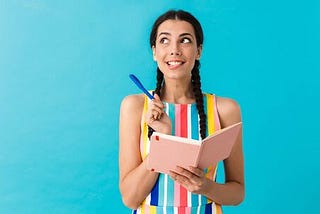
[
  {"x": 144, "y": 127},
  {"x": 168, "y": 196},
  {"x": 210, "y": 110}
]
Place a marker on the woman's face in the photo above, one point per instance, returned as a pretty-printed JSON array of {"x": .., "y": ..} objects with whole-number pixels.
[{"x": 176, "y": 49}]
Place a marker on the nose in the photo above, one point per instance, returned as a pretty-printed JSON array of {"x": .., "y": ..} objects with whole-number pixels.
[
  {"x": 175, "y": 50},
  {"x": 175, "y": 53}
]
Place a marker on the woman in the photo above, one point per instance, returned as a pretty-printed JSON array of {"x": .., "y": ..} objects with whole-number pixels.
[{"x": 179, "y": 108}]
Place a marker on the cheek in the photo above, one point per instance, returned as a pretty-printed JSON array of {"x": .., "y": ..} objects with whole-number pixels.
[
  {"x": 190, "y": 52},
  {"x": 160, "y": 53},
  {"x": 194, "y": 53}
]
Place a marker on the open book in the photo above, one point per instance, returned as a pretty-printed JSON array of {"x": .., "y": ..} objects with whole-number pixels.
[{"x": 167, "y": 151}]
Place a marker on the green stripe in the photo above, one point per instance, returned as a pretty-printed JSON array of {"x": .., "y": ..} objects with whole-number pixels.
[
  {"x": 194, "y": 135},
  {"x": 160, "y": 190},
  {"x": 170, "y": 183}
]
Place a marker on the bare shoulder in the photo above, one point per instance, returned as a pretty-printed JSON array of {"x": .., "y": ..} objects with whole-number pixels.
[
  {"x": 130, "y": 114},
  {"x": 229, "y": 111},
  {"x": 133, "y": 102}
]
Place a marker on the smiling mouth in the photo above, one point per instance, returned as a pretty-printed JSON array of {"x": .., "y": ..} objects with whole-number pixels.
[{"x": 174, "y": 63}]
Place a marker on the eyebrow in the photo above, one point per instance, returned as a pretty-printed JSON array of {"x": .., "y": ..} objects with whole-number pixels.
[{"x": 181, "y": 35}]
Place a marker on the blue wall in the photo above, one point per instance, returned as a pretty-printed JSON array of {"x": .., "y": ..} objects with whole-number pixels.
[{"x": 64, "y": 69}]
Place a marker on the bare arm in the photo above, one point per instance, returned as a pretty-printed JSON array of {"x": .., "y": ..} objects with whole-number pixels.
[
  {"x": 136, "y": 181},
  {"x": 232, "y": 191}
]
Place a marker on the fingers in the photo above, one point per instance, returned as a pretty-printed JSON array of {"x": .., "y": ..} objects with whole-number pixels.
[
  {"x": 186, "y": 182},
  {"x": 196, "y": 171},
  {"x": 156, "y": 97},
  {"x": 156, "y": 117},
  {"x": 156, "y": 112},
  {"x": 188, "y": 174},
  {"x": 192, "y": 173},
  {"x": 192, "y": 179},
  {"x": 157, "y": 102},
  {"x": 178, "y": 177},
  {"x": 156, "y": 109}
]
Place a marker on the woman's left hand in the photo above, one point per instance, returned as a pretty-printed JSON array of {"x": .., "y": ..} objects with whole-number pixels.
[{"x": 193, "y": 179}]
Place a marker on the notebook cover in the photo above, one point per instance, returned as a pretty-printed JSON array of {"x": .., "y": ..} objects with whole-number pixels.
[
  {"x": 166, "y": 153},
  {"x": 218, "y": 146}
]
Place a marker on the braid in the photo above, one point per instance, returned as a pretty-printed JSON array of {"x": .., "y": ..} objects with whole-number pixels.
[
  {"x": 195, "y": 80},
  {"x": 156, "y": 91},
  {"x": 159, "y": 82}
]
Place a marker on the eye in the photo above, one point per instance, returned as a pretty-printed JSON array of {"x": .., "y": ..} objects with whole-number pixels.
[
  {"x": 185, "y": 40},
  {"x": 164, "y": 40}
]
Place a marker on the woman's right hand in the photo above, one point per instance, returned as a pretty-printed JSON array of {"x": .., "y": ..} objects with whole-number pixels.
[{"x": 156, "y": 116}]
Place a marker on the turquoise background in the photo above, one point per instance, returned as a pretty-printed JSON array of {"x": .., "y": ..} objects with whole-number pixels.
[{"x": 64, "y": 69}]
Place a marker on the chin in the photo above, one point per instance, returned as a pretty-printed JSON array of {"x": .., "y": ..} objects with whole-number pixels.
[
  {"x": 174, "y": 76},
  {"x": 179, "y": 73}
]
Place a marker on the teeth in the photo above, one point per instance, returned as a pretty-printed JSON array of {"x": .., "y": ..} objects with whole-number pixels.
[{"x": 174, "y": 63}]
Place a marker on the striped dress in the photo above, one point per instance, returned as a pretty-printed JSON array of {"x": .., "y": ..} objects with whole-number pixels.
[{"x": 167, "y": 196}]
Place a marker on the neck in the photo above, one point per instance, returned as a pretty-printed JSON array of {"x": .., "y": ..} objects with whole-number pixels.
[{"x": 179, "y": 92}]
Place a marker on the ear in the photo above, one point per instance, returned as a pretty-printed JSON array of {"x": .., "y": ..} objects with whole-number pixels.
[
  {"x": 199, "y": 52},
  {"x": 154, "y": 53}
]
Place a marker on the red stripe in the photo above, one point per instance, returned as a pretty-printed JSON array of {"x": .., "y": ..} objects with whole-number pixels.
[
  {"x": 183, "y": 133},
  {"x": 181, "y": 210},
  {"x": 184, "y": 121}
]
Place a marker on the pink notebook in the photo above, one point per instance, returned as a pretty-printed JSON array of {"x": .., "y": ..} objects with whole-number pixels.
[{"x": 167, "y": 151}]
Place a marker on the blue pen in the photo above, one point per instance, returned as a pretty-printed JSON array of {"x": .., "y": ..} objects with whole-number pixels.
[{"x": 139, "y": 84}]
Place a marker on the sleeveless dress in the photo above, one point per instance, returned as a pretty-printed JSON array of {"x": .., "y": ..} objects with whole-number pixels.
[{"x": 167, "y": 196}]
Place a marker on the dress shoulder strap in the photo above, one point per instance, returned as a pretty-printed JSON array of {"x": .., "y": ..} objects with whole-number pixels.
[{"x": 213, "y": 122}]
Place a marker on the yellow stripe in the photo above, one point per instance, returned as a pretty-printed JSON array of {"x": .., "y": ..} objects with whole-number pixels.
[
  {"x": 208, "y": 176},
  {"x": 218, "y": 209},
  {"x": 144, "y": 202},
  {"x": 145, "y": 129},
  {"x": 210, "y": 113},
  {"x": 211, "y": 130},
  {"x": 213, "y": 110},
  {"x": 153, "y": 210},
  {"x": 212, "y": 116},
  {"x": 208, "y": 171}
]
